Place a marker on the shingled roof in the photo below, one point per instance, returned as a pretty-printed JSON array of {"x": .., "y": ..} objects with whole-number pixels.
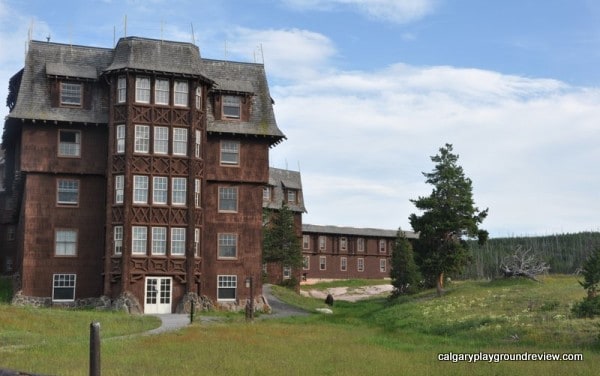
[
  {"x": 279, "y": 180},
  {"x": 374, "y": 232}
]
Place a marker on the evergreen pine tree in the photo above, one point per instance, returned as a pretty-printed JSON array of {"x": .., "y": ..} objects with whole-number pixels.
[{"x": 404, "y": 272}]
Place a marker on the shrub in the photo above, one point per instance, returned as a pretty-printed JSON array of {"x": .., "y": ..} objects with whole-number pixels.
[{"x": 587, "y": 308}]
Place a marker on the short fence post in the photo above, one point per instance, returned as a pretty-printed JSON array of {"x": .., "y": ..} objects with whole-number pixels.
[
  {"x": 192, "y": 312},
  {"x": 95, "y": 349}
]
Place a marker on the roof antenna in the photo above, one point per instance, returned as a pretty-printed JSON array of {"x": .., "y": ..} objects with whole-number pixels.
[
  {"x": 299, "y": 170},
  {"x": 193, "y": 35},
  {"x": 125, "y": 25},
  {"x": 262, "y": 55},
  {"x": 48, "y": 38},
  {"x": 225, "y": 49}
]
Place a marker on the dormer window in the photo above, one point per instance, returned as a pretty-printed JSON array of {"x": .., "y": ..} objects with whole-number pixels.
[
  {"x": 232, "y": 107},
  {"x": 70, "y": 94},
  {"x": 291, "y": 196}
]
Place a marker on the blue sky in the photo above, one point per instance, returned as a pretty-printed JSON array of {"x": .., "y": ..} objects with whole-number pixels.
[{"x": 368, "y": 90}]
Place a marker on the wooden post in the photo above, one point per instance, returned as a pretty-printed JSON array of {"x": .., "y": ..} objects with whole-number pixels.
[{"x": 95, "y": 349}]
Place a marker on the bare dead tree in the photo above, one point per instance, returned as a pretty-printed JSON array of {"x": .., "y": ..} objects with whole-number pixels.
[{"x": 523, "y": 263}]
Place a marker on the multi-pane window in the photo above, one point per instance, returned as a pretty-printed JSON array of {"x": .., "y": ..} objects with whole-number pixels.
[
  {"x": 197, "y": 197},
  {"x": 226, "y": 287},
  {"x": 305, "y": 262},
  {"x": 119, "y": 188},
  {"x": 118, "y": 240},
  {"x": 305, "y": 241},
  {"x": 382, "y": 246},
  {"x": 228, "y": 199},
  {"x": 179, "y": 141},
  {"x": 142, "y": 89},
  {"x": 382, "y": 265},
  {"x": 178, "y": 241},
  {"x": 139, "y": 240},
  {"x": 159, "y": 240},
  {"x": 161, "y": 91},
  {"x": 287, "y": 272},
  {"x": 232, "y": 106},
  {"x": 343, "y": 264},
  {"x": 181, "y": 93},
  {"x": 360, "y": 244},
  {"x": 120, "y": 136},
  {"x": 266, "y": 193},
  {"x": 65, "y": 243},
  {"x": 322, "y": 243},
  {"x": 121, "y": 89},
  {"x": 360, "y": 264},
  {"x": 161, "y": 140},
  {"x": 198, "y": 98},
  {"x": 227, "y": 246},
  {"x": 70, "y": 94},
  {"x": 140, "y": 189},
  {"x": 198, "y": 144},
  {"x": 178, "y": 191},
  {"x": 197, "y": 242},
  {"x": 343, "y": 243},
  {"x": 159, "y": 189},
  {"x": 69, "y": 143},
  {"x": 142, "y": 139},
  {"x": 63, "y": 287},
  {"x": 230, "y": 152},
  {"x": 291, "y": 196},
  {"x": 67, "y": 192},
  {"x": 322, "y": 263}
]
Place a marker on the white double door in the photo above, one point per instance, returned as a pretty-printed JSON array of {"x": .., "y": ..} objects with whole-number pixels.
[{"x": 158, "y": 295}]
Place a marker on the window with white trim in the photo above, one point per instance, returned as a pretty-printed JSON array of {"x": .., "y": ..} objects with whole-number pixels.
[
  {"x": 120, "y": 137},
  {"x": 322, "y": 263},
  {"x": 291, "y": 196},
  {"x": 230, "y": 152},
  {"x": 178, "y": 191},
  {"x": 305, "y": 241},
  {"x": 198, "y": 98},
  {"x": 198, "y": 144},
  {"x": 161, "y": 140},
  {"x": 232, "y": 106},
  {"x": 287, "y": 272},
  {"x": 382, "y": 265},
  {"x": 142, "y": 139},
  {"x": 228, "y": 199},
  {"x": 65, "y": 243},
  {"x": 161, "y": 91},
  {"x": 119, "y": 188},
  {"x": 227, "y": 246},
  {"x": 267, "y": 193},
  {"x": 69, "y": 143},
  {"x": 226, "y": 287},
  {"x": 180, "y": 139},
  {"x": 121, "y": 89},
  {"x": 197, "y": 189},
  {"x": 197, "y": 242},
  {"x": 159, "y": 241},
  {"x": 360, "y": 264},
  {"x": 382, "y": 246},
  {"x": 63, "y": 287},
  {"x": 160, "y": 190},
  {"x": 140, "y": 189},
  {"x": 177, "y": 241},
  {"x": 343, "y": 264},
  {"x": 360, "y": 245},
  {"x": 67, "y": 192},
  {"x": 343, "y": 243},
  {"x": 181, "y": 93},
  {"x": 322, "y": 243},
  {"x": 139, "y": 240},
  {"x": 305, "y": 262},
  {"x": 142, "y": 89},
  {"x": 118, "y": 240},
  {"x": 71, "y": 93}
]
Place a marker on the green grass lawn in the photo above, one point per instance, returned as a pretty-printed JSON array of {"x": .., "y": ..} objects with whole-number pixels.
[{"x": 373, "y": 337}]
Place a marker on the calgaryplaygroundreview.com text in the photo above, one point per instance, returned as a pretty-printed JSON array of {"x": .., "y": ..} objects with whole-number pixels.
[{"x": 509, "y": 357}]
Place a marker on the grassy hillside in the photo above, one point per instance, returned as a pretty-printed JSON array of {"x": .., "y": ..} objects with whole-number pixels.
[{"x": 371, "y": 337}]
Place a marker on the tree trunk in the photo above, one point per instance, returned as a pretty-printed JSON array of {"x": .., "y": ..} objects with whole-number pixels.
[{"x": 439, "y": 284}]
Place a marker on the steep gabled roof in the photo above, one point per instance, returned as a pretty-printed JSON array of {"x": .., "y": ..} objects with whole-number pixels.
[{"x": 279, "y": 180}]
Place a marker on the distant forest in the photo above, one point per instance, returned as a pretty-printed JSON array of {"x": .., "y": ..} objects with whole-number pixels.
[{"x": 565, "y": 253}]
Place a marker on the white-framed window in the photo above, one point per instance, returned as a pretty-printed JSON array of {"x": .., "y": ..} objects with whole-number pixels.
[
  {"x": 67, "y": 192},
  {"x": 161, "y": 140},
  {"x": 360, "y": 245},
  {"x": 226, "y": 287},
  {"x": 227, "y": 246},
  {"x": 139, "y": 240},
  {"x": 267, "y": 193},
  {"x": 70, "y": 93},
  {"x": 198, "y": 144},
  {"x": 63, "y": 287},
  {"x": 322, "y": 263},
  {"x": 118, "y": 240},
  {"x": 178, "y": 191},
  {"x": 65, "y": 242},
  {"x": 69, "y": 143},
  {"x": 180, "y": 138},
  {"x": 287, "y": 272},
  {"x": 382, "y": 246},
  {"x": 291, "y": 196},
  {"x": 159, "y": 241},
  {"x": 322, "y": 243},
  {"x": 160, "y": 190},
  {"x": 198, "y": 98},
  {"x": 119, "y": 188},
  {"x": 178, "y": 241},
  {"x": 197, "y": 196},
  {"x": 196, "y": 242},
  {"x": 142, "y": 89},
  {"x": 343, "y": 264},
  {"x": 140, "y": 189},
  {"x": 121, "y": 89},
  {"x": 228, "y": 199},
  {"x": 142, "y": 139},
  {"x": 305, "y": 262},
  {"x": 343, "y": 243},
  {"x": 120, "y": 137},
  {"x": 382, "y": 265},
  {"x": 305, "y": 241},
  {"x": 181, "y": 93},
  {"x": 161, "y": 91},
  {"x": 232, "y": 106},
  {"x": 360, "y": 264},
  {"x": 230, "y": 152}
]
